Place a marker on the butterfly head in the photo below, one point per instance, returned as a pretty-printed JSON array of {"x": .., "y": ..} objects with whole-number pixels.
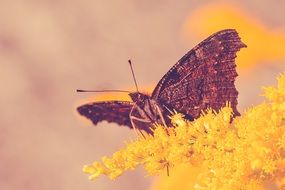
[{"x": 138, "y": 97}]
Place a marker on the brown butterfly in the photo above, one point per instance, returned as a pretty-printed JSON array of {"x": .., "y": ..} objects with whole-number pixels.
[{"x": 202, "y": 78}]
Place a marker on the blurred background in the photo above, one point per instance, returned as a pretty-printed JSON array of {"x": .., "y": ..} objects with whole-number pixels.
[{"x": 50, "y": 48}]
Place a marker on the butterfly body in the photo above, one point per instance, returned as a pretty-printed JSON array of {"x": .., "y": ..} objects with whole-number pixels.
[
  {"x": 145, "y": 112},
  {"x": 203, "y": 78}
]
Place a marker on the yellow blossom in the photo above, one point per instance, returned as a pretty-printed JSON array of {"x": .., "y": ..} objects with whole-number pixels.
[{"x": 245, "y": 153}]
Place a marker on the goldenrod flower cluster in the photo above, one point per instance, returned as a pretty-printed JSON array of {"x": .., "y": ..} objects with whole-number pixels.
[{"x": 241, "y": 153}]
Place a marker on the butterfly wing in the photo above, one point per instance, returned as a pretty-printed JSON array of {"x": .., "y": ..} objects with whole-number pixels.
[
  {"x": 204, "y": 77},
  {"x": 110, "y": 111}
]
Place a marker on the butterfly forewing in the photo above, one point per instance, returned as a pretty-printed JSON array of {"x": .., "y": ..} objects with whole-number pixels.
[
  {"x": 204, "y": 77},
  {"x": 111, "y": 111}
]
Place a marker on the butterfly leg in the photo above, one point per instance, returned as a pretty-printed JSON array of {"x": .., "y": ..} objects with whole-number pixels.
[
  {"x": 137, "y": 131},
  {"x": 160, "y": 115},
  {"x": 137, "y": 114},
  {"x": 142, "y": 120}
]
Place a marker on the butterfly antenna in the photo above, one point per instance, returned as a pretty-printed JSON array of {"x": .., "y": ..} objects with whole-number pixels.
[
  {"x": 125, "y": 91},
  {"x": 130, "y": 62}
]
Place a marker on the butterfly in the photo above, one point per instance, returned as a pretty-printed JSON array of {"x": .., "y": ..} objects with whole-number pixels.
[{"x": 203, "y": 78}]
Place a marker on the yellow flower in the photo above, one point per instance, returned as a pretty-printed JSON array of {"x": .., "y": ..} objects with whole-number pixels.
[{"x": 247, "y": 153}]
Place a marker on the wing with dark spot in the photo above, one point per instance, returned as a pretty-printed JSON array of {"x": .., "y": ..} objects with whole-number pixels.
[
  {"x": 110, "y": 111},
  {"x": 204, "y": 77}
]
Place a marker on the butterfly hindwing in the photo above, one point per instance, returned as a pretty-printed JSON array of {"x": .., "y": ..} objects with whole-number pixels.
[
  {"x": 111, "y": 111},
  {"x": 204, "y": 77}
]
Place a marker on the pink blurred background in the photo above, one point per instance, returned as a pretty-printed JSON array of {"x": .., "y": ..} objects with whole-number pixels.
[{"x": 50, "y": 48}]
